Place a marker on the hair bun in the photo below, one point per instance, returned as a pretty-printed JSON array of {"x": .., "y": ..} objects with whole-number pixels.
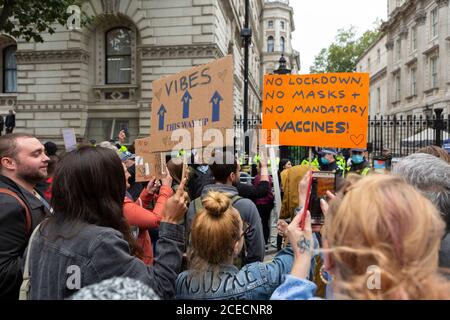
[{"x": 216, "y": 203}]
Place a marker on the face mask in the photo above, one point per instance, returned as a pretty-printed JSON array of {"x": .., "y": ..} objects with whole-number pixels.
[
  {"x": 357, "y": 159},
  {"x": 324, "y": 161}
]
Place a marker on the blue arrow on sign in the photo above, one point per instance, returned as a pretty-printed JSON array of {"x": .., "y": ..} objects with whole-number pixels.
[
  {"x": 161, "y": 112},
  {"x": 186, "y": 99},
  {"x": 215, "y": 100}
]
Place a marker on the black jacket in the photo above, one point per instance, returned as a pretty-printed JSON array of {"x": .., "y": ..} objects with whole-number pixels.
[
  {"x": 13, "y": 237},
  {"x": 2, "y": 123},
  {"x": 251, "y": 192},
  {"x": 331, "y": 167},
  {"x": 10, "y": 121}
]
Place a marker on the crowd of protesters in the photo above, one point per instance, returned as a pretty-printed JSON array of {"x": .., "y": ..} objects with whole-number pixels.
[{"x": 77, "y": 225}]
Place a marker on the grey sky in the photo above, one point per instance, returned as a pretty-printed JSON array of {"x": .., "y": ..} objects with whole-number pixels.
[{"x": 317, "y": 22}]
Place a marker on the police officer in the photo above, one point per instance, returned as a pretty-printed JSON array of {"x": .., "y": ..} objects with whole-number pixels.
[
  {"x": 359, "y": 164},
  {"x": 327, "y": 161}
]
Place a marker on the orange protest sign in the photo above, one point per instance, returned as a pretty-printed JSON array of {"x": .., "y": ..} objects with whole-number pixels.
[
  {"x": 148, "y": 164},
  {"x": 318, "y": 109},
  {"x": 200, "y": 98}
]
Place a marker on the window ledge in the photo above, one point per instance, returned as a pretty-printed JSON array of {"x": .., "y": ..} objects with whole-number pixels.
[
  {"x": 431, "y": 90},
  {"x": 115, "y": 92},
  {"x": 411, "y": 97},
  {"x": 116, "y": 86},
  {"x": 9, "y": 95},
  {"x": 434, "y": 48},
  {"x": 411, "y": 61}
]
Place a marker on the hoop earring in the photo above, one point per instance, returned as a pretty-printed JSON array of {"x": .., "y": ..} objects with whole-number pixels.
[{"x": 322, "y": 276}]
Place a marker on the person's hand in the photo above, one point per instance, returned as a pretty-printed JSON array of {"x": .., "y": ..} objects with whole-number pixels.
[
  {"x": 282, "y": 227},
  {"x": 303, "y": 188},
  {"x": 167, "y": 180},
  {"x": 175, "y": 207},
  {"x": 263, "y": 160},
  {"x": 324, "y": 204},
  {"x": 302, "y": 240},
  {"x": 153, "y": 186},
  {"x": 302, "y": 245},
  {"x": 122, "y": 136}
]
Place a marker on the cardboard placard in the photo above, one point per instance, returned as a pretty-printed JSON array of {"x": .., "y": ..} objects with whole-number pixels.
[
  {"x": 318, "y": 110},
  {"x": 70, "y": 139},
  {"x": 148, "y": 164},
  {"x": 200, "y": 97}
]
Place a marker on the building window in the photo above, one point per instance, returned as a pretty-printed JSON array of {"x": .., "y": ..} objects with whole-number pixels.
[
  {"x": 434, "y": 72},
  {"x": 368, "y": 65},
  {"x": 378, "y": 99},
  {"x": 282, "y": 25},
  {"x": 398, "y": 46},
  {"x": 282, "y": 44},
  {"x": 9, "y": 69},
  {"x": 270, "y": 24},
  {"x": 434, "y": 22},
  {"x": 413, "y": 81},
  {"x": 118, "y": 56},
  {"x": 270, "y": 44},
  {"x": 397, "y": 88},
  {"x": 413, "y": 39},
  {"x": 378, "y": 56}
]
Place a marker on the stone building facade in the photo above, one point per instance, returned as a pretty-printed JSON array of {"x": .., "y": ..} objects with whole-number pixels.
[
  {"x": 98, "y": 79},
  {"x": 278, "y": 25},
  {"x": 417, "y": 63}
]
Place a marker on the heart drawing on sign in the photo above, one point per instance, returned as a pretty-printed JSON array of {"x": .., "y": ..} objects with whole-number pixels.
[
  {"x": 222, "y": 75},
  {"x": 357, "y": 139},
  {"x": 158, "y": 94}
]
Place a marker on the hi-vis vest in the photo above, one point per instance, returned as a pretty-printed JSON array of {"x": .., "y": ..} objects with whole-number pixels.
[
  {"x": 315, "y": 163},
  {"x": 364, "y": 172}
]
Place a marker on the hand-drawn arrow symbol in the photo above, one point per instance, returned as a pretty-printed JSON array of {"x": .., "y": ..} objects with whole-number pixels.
[
  {"x": 186, "y": 99},
  {"x": 161, "y": 113},
  {"x": 215, "y": 101}
]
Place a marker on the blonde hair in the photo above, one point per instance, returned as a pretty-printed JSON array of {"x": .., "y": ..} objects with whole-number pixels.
[
  {"x": 384, "y": 222},
  {"x": 215, "y": 231}
]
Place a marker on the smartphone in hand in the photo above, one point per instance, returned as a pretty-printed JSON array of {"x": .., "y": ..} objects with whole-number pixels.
[{"x": 320, "y": 183}]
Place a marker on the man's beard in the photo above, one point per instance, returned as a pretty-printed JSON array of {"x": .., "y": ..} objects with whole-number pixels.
[{"x": 29, "y": 174}]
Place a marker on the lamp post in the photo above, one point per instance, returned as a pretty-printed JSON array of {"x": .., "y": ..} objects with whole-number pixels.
[
  {"x": 246, "y": 35},
  {"x": 282, "y": 69}
]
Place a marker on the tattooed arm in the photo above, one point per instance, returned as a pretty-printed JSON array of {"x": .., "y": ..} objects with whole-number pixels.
[{"x": 302, "y": 245}]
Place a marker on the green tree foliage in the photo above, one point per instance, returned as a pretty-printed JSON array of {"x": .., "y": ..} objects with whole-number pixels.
[
  {"x": 29, "y": 18},
  {"x": 343, "y": 53}
]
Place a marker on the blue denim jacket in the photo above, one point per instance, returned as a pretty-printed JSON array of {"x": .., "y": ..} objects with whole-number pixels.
[
  {"x": 100, "y": 253},
  {"x": 255, "y": 281},
  {"x": 294, "y": 288}
]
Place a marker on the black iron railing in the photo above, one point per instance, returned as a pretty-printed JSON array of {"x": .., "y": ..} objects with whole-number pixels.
[{"x": 402, "y": 135}]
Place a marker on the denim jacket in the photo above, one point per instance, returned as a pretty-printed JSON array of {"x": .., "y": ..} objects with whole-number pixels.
[
  {"x": 60, "y": 267},
  {"x": 255, "y": 281}
]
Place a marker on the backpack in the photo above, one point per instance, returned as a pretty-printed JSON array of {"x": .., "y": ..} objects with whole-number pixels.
[
  {"x": 23, "y": 205},
  {"x": 24, "y": 293}
]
